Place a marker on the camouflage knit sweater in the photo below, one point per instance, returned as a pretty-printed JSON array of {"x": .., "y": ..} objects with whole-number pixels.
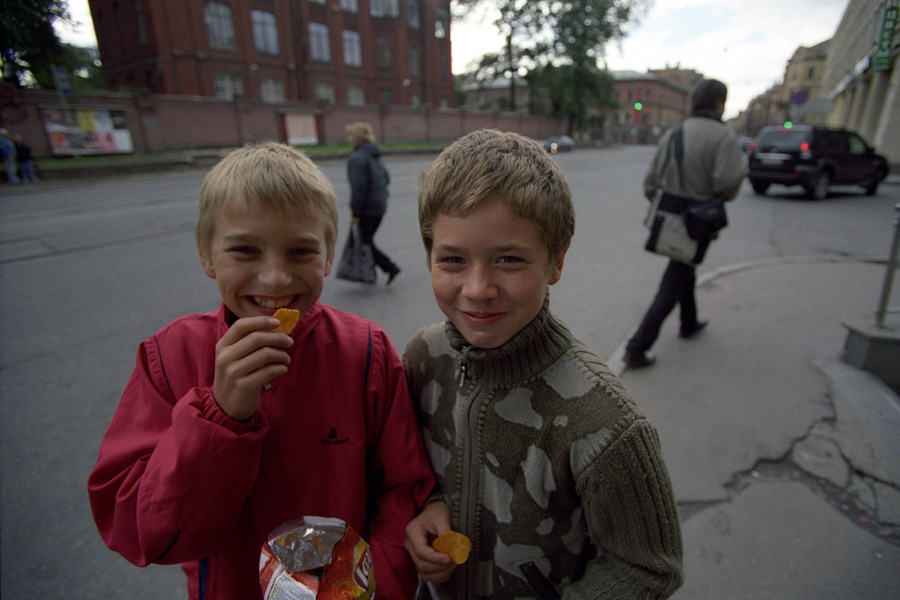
[{"x": 547, "y": 465}]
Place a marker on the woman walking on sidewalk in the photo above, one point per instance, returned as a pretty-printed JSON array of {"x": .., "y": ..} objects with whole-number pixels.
[{"x": 368, "y": 190}]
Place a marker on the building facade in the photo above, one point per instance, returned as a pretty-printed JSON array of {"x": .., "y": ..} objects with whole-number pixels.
[
  {"x": 353, "y": 52},
  {"x": 801, "y": 95},
  {"x": 649, "y": 105},
  {"x": 862, "y": 74}
]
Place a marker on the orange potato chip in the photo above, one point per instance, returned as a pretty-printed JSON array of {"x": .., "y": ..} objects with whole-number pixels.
[
  {"x": 455, "y": 544},
  {"x": 288, "y": 318}
]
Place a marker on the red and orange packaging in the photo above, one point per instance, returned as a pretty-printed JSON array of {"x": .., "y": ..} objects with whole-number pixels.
[{"x": 316, "y": 558}]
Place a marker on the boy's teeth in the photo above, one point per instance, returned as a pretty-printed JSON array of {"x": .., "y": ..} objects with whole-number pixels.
[{"x": 269, "y": 303}]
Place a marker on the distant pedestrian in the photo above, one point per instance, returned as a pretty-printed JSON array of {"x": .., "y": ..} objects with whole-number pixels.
[
  {"x": 713, "y": 166},
  {"x": 25, "y": 159},
  {"x": 8, "y": 155},
  {"x": 369, "y": 181}
]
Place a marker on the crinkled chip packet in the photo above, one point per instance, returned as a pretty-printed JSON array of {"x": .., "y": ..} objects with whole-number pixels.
[{"x": 316, "y": 558}]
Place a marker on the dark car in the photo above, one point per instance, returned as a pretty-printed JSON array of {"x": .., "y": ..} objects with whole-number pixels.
[
  {"x": 562, "y": 143},
  {"x": 815, "y": 158}
]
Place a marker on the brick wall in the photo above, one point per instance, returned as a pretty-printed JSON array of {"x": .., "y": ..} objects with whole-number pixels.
[{"x": 165, "y": 122}]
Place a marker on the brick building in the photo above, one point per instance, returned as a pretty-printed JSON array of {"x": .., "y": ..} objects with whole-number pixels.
[
  {"x": 650, "y": 104},
  {"x": 353, "y": 52}
]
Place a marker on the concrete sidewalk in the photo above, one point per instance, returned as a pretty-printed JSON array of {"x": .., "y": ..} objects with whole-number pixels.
[{"x": 785, "y": 460}]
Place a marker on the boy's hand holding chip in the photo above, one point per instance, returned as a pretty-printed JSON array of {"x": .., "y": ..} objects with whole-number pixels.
[
  {"x": 248, "y": 356},
  {"x": 433, "y": 566}
]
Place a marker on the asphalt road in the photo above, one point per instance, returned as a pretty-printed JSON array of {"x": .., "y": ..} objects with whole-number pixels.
[{"x": 90, "y": 268}]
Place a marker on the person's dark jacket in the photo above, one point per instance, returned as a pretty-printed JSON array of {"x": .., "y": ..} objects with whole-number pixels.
[{"x": 368, "y": 181}]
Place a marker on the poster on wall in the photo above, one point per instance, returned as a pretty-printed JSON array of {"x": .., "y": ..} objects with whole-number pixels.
[
  {"x": 300, "y": 129},
  {"x": 80, "y": 131}
]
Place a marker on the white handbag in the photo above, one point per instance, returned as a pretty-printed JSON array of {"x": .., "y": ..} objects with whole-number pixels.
[{"x": 669, "y": 235}]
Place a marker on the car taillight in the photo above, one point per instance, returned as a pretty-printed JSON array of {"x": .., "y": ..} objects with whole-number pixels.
[
  {"x": 752, "y": 146},
  {"x": 804, "y": 150}
]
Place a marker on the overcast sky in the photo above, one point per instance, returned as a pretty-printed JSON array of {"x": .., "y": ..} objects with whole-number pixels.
[{"x": 744, "y": 43}]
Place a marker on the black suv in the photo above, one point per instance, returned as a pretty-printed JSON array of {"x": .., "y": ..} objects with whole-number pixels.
[{"x": 814, "y": 157}]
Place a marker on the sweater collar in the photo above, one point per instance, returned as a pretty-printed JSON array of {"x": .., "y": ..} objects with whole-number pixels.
[{"x": 529, "y": 352}]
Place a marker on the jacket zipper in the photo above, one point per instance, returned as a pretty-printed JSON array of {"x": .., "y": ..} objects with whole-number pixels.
[
  {"x": 463, "y": 377},
  {"x": 470, "y": 462}
]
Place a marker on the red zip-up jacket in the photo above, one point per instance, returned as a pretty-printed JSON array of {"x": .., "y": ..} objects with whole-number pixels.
[{"x": 178, "y": 481}]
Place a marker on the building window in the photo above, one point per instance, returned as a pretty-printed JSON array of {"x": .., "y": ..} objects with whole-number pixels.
[
  {"x": 265, "y": 32},
  {"x": 352, "y": 49},
  {"x": 271, "y": 89},
  {"x": 319, "y": 46},
  {"x": 317, "y": 1},
  {"x": 445, "y": 103},
  {"x": 350, "y": 5},
  {"x": 141, "y": 26},
  {"x": 413, "y": 61},
  {"x": 219, "y": 26},
  {"x": 415, "y": 100},
  {"x": 356, "y": 96},
  {"x": 384, "y": 52},
  {"x": 445, "y": 67},
  {"x": 228, "y": 85},
  {"x": 325, "y": 92},
  {"x": 384, "y": 8},
  {"x": 442, "y": 23},
  {"x": 413, "y": 16},
  {"x": 386, "y": 95}
]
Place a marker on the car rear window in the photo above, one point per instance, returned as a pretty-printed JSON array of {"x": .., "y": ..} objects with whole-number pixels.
[{"x": 781, "y": 140}]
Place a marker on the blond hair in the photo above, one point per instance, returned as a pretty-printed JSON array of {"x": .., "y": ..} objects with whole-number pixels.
[
  {"x": 362, "y": 131},
  {"x": 514, "y": 168},
  {"x": 271, "y": 175}
]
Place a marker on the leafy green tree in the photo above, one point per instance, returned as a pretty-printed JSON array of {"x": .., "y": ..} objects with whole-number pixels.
[
  {"x": 560, "y": 44},
  {"x": 28, "y": 42}
]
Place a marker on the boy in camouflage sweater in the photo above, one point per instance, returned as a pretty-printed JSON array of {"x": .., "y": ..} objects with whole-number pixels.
[{"x": 541, "y": 457}]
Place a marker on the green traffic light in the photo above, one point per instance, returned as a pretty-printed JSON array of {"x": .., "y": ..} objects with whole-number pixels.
[
  {"x": 638, "y": 106},
  {"x": 788, "y": 124}
]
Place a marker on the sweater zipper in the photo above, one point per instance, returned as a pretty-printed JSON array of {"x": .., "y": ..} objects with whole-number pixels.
[
  {"x": 471, "y": 489},
  {"x": 463, "y": 377}
]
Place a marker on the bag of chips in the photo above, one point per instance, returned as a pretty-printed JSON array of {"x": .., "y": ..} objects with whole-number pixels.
[{"x": 316, "y": 558}]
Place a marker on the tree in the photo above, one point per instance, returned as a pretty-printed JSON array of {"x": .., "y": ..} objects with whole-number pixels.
[
  {"x": 519, "y": 23},
  {"x": 544, "y": 35},
  {"x": 582, "y": 28},
  {"x": 28, "y": 42}
]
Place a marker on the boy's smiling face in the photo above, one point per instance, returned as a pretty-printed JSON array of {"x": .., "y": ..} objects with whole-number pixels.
[
  {"x": 263, "y": 260},
  {"x": 490, "y": 270}
]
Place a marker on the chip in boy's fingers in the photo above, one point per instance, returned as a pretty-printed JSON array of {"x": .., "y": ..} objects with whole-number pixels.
[
  {"x": 288, "y": 318},
  {"x": 454, "y": 544}
]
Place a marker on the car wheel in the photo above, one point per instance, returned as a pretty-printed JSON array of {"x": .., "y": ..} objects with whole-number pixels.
[
  {"x": 759, "y": 187},
  {"x": 872, "y": 186},
  {"x": 818, "y": 187}
]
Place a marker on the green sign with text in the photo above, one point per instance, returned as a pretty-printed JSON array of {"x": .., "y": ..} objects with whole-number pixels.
[{"x": 882, "y": 58}]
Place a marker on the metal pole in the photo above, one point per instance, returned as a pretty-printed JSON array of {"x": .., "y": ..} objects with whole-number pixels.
[{"x": 889, "y": 275}]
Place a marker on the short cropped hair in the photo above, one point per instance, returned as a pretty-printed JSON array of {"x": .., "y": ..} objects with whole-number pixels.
[
  {"x": 707, "y": 94},
  {"x": 361, "y": 130},
  {"x": 273, "y": 176},
  {"x": 512, "y": 167}
]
